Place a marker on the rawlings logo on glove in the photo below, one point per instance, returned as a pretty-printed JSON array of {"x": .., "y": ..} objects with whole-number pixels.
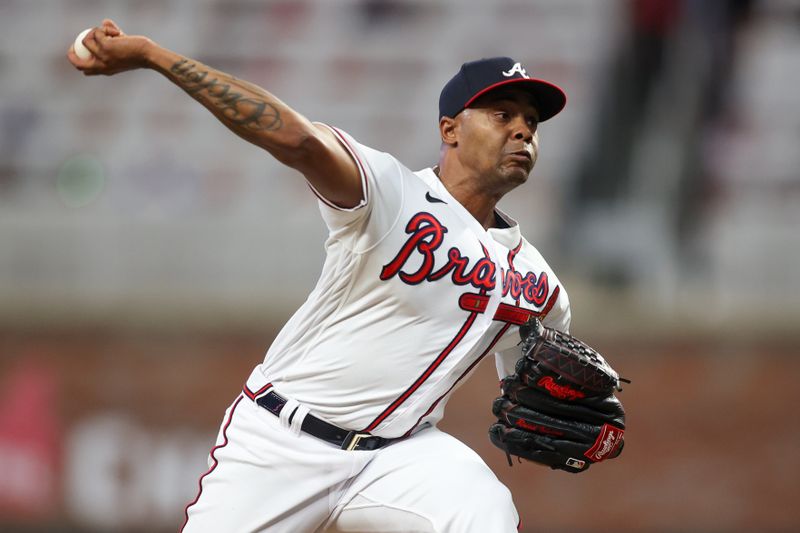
[
  {"x": 562, "y": 392},
  {"x": 559, "y": 407}
]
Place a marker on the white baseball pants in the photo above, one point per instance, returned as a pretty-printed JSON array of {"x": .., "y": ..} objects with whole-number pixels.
[{"x": 267, "y": 475}]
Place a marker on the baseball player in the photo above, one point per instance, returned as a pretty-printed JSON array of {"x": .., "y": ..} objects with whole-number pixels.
[{"x": 423, "y": 278}]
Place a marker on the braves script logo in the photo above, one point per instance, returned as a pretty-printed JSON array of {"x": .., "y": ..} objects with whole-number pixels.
[
  {"x": 534, "y": 290},
  {"x": 562, "y": 392},
  {"x": 426, "y": 235},
  {"x": 516, "y": 68}
]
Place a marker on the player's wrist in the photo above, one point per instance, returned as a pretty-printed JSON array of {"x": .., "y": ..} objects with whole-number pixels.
[{"x": 149, "y": 52}]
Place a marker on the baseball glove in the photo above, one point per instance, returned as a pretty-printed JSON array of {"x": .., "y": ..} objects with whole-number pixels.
[{"x": 559, "y": 407}]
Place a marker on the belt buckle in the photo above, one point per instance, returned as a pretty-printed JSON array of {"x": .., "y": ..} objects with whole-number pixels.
[{"x": 352, "y": 439}]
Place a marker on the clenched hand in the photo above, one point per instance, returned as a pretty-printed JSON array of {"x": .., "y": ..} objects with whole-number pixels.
[{"x": 112, "y": 51}]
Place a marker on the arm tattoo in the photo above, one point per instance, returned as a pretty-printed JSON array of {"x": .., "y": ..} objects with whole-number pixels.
[{"x": 219, "y": 93}]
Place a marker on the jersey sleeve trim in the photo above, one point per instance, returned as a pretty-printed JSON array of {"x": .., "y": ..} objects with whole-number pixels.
[{"x": 361, "y": 170}]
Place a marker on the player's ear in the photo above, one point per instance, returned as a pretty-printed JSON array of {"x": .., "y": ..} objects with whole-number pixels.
[{"x": 447, "y": 130}]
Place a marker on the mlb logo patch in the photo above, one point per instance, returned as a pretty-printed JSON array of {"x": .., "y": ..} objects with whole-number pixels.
[{"x": 575, "y": 463}]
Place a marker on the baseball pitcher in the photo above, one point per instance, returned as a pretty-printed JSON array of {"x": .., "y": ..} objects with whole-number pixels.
[{"x": 423, "y": 277}]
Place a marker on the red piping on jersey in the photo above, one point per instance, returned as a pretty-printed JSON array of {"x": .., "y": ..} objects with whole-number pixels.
[
  {"x": 358, "y": 160},
  {"x": 505, "y": 312},
  {"x": 213, "y": 457},
  {"x": 478, "y": 360},
  {"x": 513, "y": 253},
  {"x": 364, "y": 181},
  {"x": 425, "y": 375},
  {"x": 252, "y": 395}
]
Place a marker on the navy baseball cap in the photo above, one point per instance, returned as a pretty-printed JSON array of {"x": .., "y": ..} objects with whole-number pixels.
[{"x": 476, "y": 78}]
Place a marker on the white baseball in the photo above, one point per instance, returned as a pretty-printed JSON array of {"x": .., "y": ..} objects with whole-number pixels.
[{"x": 80, "y": 49}]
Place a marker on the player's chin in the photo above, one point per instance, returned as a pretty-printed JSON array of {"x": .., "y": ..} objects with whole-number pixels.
[{"x": 517, "y": 173}]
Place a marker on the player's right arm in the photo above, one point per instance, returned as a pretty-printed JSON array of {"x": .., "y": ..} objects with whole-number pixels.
[{"x": 249, "y": 111}]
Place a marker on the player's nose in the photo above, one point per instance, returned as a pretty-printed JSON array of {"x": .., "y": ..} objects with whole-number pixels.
[{"x": 522, "y": 130}]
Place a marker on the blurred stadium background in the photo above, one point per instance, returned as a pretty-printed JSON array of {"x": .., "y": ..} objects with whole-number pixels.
[{"x": 148, "y": 257}]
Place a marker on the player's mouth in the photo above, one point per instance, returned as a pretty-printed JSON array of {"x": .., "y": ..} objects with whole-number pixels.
[{"x": 522, "y": 156}]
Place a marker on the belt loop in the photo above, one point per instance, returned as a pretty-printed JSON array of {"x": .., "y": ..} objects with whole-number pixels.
[
  {"x": 296, "y": 419},
  {"x": 286, "y": 412}
]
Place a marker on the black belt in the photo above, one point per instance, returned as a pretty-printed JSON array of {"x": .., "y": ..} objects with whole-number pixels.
[{"x": 346, "y": 440}]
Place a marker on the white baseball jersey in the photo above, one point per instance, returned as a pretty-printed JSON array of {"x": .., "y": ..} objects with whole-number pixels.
[{"x": 413, "y": 294}]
